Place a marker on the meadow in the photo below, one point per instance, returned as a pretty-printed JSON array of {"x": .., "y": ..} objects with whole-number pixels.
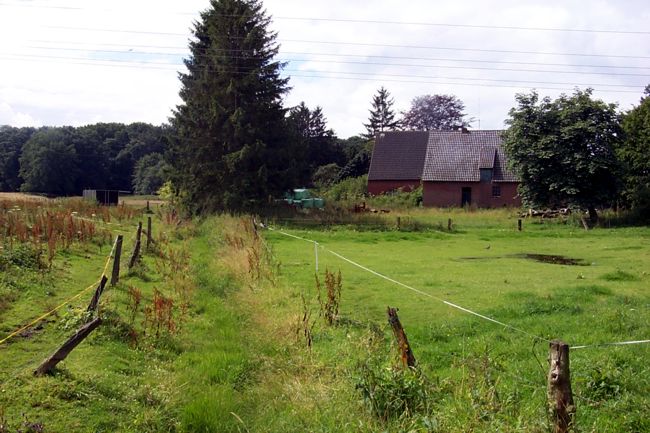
[
  {"x": 489, "y": 377},
  {"x": 223, "y": 327}
]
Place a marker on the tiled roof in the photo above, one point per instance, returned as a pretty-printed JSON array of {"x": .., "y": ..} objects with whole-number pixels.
[
  {"x": 501, "y": 172},
  {"x": 487, "y": 157},
  {"x": 398, "y": 155},
  {"x": 439, "y": 156}
]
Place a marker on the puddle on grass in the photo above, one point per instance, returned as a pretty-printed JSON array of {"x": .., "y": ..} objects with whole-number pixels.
[
  {"x": 553, "y": 259},
  {"x": 542, "y": 258}
]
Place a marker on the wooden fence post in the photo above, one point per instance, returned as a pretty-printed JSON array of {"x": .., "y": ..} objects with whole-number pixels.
[
  {"x": 67, "y": 347},
  {"x": 115, "y": 275},
  {"x": 560, "y": 397},
  {"x": 402, "y": 341},
  {"x": 399, "y": 223},
  {"x": 148, "y": 233},
  {"x": 136, "y": 248},
  {"x": 519, "y": 224},
  {"x": 449, "y": 225},
  {"x": 98, "y": 293}
]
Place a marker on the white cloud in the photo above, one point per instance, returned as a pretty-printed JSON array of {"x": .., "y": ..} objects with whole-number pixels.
[
  {"x": 39, "y": 83},
  {"x": 8, "y": 116}
]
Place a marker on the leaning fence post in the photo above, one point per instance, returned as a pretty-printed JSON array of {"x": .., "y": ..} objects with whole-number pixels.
[
  {"x": 115, "y": 275},
  {"x": 148, "y": 233},
  {"x": 560, "y": 397},
  {"x": 98, "y": 293},
  {"x": 136, "y": 247},
  {"x": 402, "y": 341},
  {"x": 67, "y": 347}
]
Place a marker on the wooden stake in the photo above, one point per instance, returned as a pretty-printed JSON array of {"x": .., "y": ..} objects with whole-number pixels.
[
  {"x": 402, "y": 341},
  {"x": 115, "y": 275},
  {"x": 560, "y": 397},
  {"x": 449, "y": 225},
  {"x": 98, "y": 293},
  {"x": 148, "y": 233},
  {"x": 136, "y": 248},
  {"x": 67, "y": 347},
  {"x": 399, "y": 223},
  {"x": 519, "y": 224}
]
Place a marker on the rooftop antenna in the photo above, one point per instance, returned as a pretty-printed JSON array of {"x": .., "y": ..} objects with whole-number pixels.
[{"x": 479, "y": 108}]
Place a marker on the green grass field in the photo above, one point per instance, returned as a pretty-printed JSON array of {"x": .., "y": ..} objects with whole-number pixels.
[{"x": 237, "y": 359}]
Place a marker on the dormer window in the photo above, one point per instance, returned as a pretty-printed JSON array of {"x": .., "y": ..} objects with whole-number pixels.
[{"x": 486, "y": 174}]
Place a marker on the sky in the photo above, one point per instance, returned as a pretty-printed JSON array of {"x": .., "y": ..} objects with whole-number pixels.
[{"x": 74, "y": 62}]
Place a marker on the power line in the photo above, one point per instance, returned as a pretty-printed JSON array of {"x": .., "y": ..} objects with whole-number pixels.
[
  {"x": 480, "y": 50},
  {"x": 356, "y": 78},
  {"x": 363, "y": 44},
  {"x": 545, "y": 71},
  {"x": 382, "y": 22},
  {"x": 243, "y": 70},
  {"x": 187, "y": 53},
  {"x": 470, "y": 26}
]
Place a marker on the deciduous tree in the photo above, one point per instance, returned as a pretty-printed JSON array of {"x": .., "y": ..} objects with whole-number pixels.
[
  {"x": 634, "y": 153},
  {"x": 563, "y": 150},
  {"x": 431, "y": 112}
]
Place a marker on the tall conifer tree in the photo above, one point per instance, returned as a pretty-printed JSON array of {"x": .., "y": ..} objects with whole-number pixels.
[
  {"x": 230, "y": 149},
  {"x": 382, "y": 116}
]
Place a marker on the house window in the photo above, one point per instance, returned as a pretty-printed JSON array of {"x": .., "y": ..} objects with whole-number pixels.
[{"x": 496, "y": 190}]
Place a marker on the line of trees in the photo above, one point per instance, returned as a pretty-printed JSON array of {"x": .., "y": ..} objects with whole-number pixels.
[{"x": 65, "y": 160}]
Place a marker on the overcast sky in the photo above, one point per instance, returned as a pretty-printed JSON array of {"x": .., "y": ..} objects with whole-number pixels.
[{"x": 73, "y": 62}]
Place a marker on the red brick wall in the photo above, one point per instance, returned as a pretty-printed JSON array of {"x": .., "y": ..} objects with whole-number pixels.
[
  {"x": 376, "y": 187},
  {"x": 446, "y": 194}
]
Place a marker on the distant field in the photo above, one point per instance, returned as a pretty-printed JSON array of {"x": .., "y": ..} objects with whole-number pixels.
[{"x": 20, "y": 196}]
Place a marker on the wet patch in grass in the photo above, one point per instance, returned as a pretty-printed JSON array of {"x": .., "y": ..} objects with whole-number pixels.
[{"x": 542, "y": 258}]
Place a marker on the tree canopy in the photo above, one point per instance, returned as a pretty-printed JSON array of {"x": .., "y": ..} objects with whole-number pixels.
[
  {"x": 634, "y": 153},
  {"x": 66, "y": 160},
  {"x": 563, "y": 150},
  {"x": 382, "y": 117},
  {"x": 231, "y": 149},
  {"x": 431, "y": 112},
  {"x": 316, "y": 143}
]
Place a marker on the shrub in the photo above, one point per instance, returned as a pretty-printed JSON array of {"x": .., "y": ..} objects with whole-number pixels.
[
  {"x": 350, "y": 189},
  {"x": 393, "y": 393},
  {"x": 24, "y": 256}
]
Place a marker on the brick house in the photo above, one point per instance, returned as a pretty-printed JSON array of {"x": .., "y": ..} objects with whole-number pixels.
[{"x": 455, "y": 168}]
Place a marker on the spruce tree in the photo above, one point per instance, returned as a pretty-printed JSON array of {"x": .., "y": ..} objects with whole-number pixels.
[
  {"x": 230, "y": 150},
  {"x": 382, "y": 117}
]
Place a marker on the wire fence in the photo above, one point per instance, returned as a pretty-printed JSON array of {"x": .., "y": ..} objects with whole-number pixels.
[{"x": 446, "y": 302}]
